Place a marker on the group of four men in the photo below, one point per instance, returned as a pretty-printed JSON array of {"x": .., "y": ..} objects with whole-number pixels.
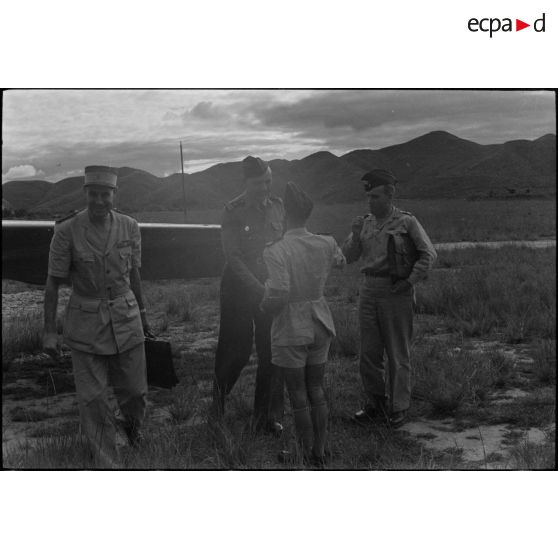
[{"x": 271, "y": 293}]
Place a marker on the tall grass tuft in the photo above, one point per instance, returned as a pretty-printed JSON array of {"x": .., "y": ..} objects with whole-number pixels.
[
  {"x": 21, "y": 334},
  {"x": 347, "y": 340},
  {"x": 527, "y": 455},
  {"x": 183, "y": 403},
  {"x": 544, "y": 355},
  {"x": 232, "y": 450},
  {"x": 63, "y": 451},
  {"x": 179, "y": 303},
  {"x": 450, "y": 378},
  {"x": 514, "y": 293}
]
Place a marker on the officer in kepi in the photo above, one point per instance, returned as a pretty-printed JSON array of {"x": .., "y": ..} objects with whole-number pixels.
[
  {"x": 249, "y": 222},
  {"x": 396, "y": 253},
  {"x": 99, "y": 250}
]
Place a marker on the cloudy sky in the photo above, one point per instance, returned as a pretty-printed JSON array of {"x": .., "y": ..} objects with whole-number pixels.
[{"x": 49, "y": 135}]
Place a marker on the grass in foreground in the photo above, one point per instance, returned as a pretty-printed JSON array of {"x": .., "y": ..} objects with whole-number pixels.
[{"x": 452, "y": 378}]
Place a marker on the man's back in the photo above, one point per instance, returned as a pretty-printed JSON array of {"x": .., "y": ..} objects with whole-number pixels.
[{"x": 306, "y": 258}]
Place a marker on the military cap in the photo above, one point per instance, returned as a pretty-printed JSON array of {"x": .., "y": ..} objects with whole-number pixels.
[
  {"x": 297, "y": 203},
  {"x": 253, "y": 167},
  {"x": 100, "y": 176},
  {"x": 378, "y": 177}
]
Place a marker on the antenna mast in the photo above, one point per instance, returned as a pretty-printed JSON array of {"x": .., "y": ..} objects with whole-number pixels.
[{"x": 183, "y": 188}]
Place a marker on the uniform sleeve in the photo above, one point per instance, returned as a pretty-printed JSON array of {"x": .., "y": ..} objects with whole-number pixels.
[
  {"x": 230, "y": 239},
  {"x": 352, "y": 249},
  {"x": 60, "y": 254},
  {"x": 278, "y": 274},
  {"x": 427, "y": 253},
  {"x": 135, "y": 237},
  {"x": 338, "y": 259}
]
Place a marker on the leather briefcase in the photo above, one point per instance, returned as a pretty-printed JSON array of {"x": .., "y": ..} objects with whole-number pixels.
[{"x": 160, "y": 368}]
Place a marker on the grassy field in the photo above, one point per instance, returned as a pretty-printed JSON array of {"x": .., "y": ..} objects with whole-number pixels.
[
  {"x": 444, "y": 220},
  {"x": 485, "y": 327}
]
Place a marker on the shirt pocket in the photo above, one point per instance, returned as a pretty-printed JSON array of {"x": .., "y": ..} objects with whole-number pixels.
[
  {"x": 84, "y": 262},
  {"x": 82, "y": 320},
  {"x": 402, "y": 253},
  {"x": 125, "y": 258}
]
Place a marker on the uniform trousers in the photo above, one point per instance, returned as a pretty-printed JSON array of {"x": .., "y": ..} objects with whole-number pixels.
[
  {"x": 386, "y": 328},
  {"x": 93, "y": 374},
  {"x": 242, "y": 323}
]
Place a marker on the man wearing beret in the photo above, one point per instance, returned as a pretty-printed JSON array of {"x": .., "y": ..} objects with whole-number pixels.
[
  {"x": 99, "y": 250},
  {"x": 396, "y": 253},
  {"x": 250, "y": 221}
]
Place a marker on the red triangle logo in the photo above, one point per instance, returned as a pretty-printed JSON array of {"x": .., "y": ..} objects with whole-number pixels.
[{"x": 519, "y": 25}]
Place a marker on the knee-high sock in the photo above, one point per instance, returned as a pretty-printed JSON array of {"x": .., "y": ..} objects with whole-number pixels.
[
  {"x": 314, "y": 375},
  {"x": 304, "y": 430},
  {"x": 319, "y": 421}
]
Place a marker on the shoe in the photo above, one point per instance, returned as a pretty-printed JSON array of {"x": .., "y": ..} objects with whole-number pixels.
[
  {"x": 275, "y": 428},
  {"x": 370, "y": 414},
  {"x": 135, "y": 436},
  {"x": 398, "y": 418},
  {"x": 317, "y": 461}
]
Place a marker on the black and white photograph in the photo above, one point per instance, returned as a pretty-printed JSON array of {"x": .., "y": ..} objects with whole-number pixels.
[{"x": 279, "y": 279}]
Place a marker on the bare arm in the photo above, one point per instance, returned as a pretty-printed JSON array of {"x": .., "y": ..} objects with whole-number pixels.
[
  {"x": 352, "y": 247},
  {"x": 135, "y": 285},
  {"x": 50, "y": 336},
  {"x": 427, "y": 253}
]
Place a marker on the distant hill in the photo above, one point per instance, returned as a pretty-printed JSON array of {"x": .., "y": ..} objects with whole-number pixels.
[{"x": 435, "y": 165}]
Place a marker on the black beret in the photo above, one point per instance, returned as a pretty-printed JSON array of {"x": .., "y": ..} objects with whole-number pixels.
[
  {"x": 297, "y": 203},
  {"x": 379, "y": 177},
  {"x": 253, "y": 167}
]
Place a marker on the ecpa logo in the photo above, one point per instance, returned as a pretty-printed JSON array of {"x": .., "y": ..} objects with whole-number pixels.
[{"x": 493, "y": 25}]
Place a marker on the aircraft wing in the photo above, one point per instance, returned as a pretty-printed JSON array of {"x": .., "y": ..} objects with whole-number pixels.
[{"x": 169, "y": 251}]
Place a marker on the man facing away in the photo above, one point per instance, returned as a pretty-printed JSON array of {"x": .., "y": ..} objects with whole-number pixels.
[
  {"x": 99, "y": 250},
  {"x": 396, "y": 253},
  {"x": 249, "y": 222},
  {"x": 302, "y": 329}
]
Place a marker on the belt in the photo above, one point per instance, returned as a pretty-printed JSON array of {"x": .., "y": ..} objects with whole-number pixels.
[
  {"x": 111, "y": 295},
  {"x": 377, "y": 274}
]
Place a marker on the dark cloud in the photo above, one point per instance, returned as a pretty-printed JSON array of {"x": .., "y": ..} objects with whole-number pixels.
[
  {"x": 207, "y": 110},
  {"x": 359, "y": 111},
  {"x": 57, "y": 133}
]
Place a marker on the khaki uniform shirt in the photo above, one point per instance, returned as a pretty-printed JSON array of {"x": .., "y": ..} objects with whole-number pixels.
[
  {"x": 371, "y": 246},
  {"x": 245, "y": 230},
  {"x": 299, "y": 264},
  {"x": 103, "y": 314}
]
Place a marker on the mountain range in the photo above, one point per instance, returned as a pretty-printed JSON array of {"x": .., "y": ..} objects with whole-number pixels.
[{"x": 435, "y": 165}]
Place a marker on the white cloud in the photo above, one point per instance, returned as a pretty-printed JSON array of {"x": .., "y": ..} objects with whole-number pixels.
[{"x": 22, "y": 171}]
